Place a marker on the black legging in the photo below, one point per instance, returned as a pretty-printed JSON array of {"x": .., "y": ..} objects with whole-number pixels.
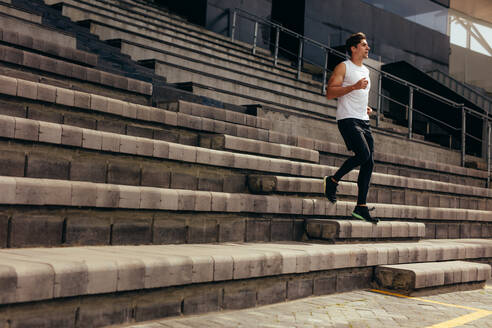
[{"x": 358, "y": 138}]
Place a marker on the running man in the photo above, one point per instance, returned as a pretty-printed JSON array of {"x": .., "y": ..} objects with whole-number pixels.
[{"x": 350, "y": 83}]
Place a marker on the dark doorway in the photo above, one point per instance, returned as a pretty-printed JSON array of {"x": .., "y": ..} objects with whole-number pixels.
[
  {"x": 194, "y": 11},
  {"x": 289, "y": 14}
]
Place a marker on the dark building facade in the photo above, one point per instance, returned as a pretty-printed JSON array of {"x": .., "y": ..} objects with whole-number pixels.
[{"x": 413, "y": 31}]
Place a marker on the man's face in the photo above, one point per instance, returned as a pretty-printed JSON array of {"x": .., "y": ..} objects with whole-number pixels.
[{"x": 362, "y": 49}]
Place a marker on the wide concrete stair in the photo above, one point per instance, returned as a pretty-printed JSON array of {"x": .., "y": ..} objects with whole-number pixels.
[{"x": 114, "y": 210}]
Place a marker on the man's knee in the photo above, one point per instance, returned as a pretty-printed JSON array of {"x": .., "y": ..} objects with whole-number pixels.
[{"x": 364, "y": 156}]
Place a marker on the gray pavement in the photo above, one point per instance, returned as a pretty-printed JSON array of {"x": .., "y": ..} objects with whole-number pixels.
[{"x": 353, "y": 309}]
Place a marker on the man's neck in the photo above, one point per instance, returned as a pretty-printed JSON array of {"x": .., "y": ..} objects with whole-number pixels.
[{"x": 357, "y": 60}]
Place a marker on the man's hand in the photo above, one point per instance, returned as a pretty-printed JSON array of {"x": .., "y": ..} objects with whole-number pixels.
[
  {"x": 369, "y": 110},
  {"x": 361, "y": 84}
]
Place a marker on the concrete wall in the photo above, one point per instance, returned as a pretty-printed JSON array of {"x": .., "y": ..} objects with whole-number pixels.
[
  {"x": 471, "y": 67},
  {"x": 389, "y": 35},
  {"x": 218, "y": 19}
]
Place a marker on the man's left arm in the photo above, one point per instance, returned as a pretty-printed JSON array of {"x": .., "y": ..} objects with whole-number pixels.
[{"x": 369, "y": 111}]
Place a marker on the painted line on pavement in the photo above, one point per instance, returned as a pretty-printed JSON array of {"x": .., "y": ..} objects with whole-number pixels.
[{"x": 459, "y": 321}]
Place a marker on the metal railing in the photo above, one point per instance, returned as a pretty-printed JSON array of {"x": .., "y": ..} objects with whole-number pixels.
[
  {"x": 412, "y": 88},
  {"x": 463, "y": 89}
]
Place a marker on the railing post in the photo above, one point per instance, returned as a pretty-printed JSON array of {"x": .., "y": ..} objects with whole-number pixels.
[
  {"x": 325, "y": 68},
  {"x": 489, "y": 145},
  {"x": 380, "y": 99},
  {"x": 463, "y": 134},
  {"x": 299, "y": 58},
  {"x": 277, "y": 40},
  {"x": 410, "y": 112},
  {"x": 255, "y": 37},
  {"x": 233, "y": 29}
]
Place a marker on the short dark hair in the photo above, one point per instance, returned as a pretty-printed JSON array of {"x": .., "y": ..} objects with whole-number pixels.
[{"x": 353, "y": 41}]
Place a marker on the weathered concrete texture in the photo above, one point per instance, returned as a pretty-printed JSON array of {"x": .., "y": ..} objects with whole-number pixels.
[
  {"x": 350, "y": 229},
  {"x": 409, "y": 277},
  {"x": 118, "y": 308},
  {"x": 110, "y": 269}
]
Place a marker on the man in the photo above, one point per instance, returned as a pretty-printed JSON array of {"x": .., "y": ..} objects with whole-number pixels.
[{"x": 350, "y": 83}]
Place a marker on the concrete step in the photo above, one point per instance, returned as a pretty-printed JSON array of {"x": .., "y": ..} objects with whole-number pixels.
[
  {"x": 244, "y": 145},
  {"x": 385, "y": 189},
  {"x": 399, "y": 163},
  {"x": 24, "y": 129},
  {"x": 78, "y": 14},
  {"x": 147, "y": 16},
  {"x": 28, "y": 191},
  {"x": 73, "y": 71},
  {"x": 103, "y": 282},
  {"x": 415, "y": 278},
  {"x": 98, "y": 104},
  {"x": 209, "y": 63},
  {"x": 239, "y": 92},
  {"x": 26, "y": 27},
  {"x": 7, "y": 9},
  {"x": 356, "y": 231},
  {"x": 27, "y": 41}
]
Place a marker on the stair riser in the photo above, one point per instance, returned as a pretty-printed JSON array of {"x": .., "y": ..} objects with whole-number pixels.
[
  {"x": 123, "y": 307},
  {"x": 36, "y": 226}
]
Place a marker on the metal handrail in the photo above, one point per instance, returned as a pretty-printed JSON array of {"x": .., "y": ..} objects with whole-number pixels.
[
  {"x": 331, "y": 50},
  {"x": 412, "y": 87}
]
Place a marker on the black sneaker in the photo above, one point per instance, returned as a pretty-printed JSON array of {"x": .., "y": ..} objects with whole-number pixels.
[
  {"x": 330, "y": 189},
  {"x": 362, "y": 213}
]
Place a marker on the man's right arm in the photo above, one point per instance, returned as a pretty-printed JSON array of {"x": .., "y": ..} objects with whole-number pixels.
[{"x": 335, "y": 89}]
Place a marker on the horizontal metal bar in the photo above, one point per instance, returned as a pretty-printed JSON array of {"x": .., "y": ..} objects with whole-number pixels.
[{"x": 334, "y": 51}]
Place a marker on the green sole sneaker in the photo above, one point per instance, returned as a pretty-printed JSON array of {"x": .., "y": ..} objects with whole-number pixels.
[{"x": 357, "y": 216}]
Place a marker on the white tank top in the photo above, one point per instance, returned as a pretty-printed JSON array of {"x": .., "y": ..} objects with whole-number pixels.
[{"x": 354, "y": 103}]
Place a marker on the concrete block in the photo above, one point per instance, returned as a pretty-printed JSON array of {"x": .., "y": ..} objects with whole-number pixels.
[
  {"x": 29, "y": 281},
  {"x": 107, "y": 196},
  {"x": 299, "y": 288},
  {"x": 155, "y": 176},
  {"x": 50, "y": 132},
  {"x": 324, "y": 285},
  {"x": 7, "y": 126},
  {"x": 202, "y": 230},
  {"x": 51, "y": 166},
  {"x": 281, "y": 229},
  {"x": 124, "y": 174},
  {"x": 99, "y": 103},
  {"x": 181, "y": 180},
  {"x": 13, "y": 55},
  {"x": 87, "y": 231},
  {"x": 170, "y": 199},
  {"x": 91, "y": 139},
  {"x": 231, "y": 230},
  {"x": 159, "y": 308},
  {"x": 129, "y": 197},
  {"x": 239, "y": 298},
  {"x": 102, "y": 313},
  {"x": 206, "y": 301},
  {"x": 35, "y": 230},
  {"x": 272, "y": 292},
  {"x": 258, "y": 230},
  {"x": 169, "y": 231},
  {"x": 186, "y": 200},
  {"x": 8, "y": 86},
  {"x": 135, "y": 231},
  {"x": 27, "y": 89},
  {"x": 71, "y": 136},
  {"x": 65, "y": 97},
  {"x": 79, "y": 72},
  {"x": 182, "y": 153},
  {"x": 12, "y": 163},
  {"x": 110, "y": 142},
  {"x": 26, "y": 129}
]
